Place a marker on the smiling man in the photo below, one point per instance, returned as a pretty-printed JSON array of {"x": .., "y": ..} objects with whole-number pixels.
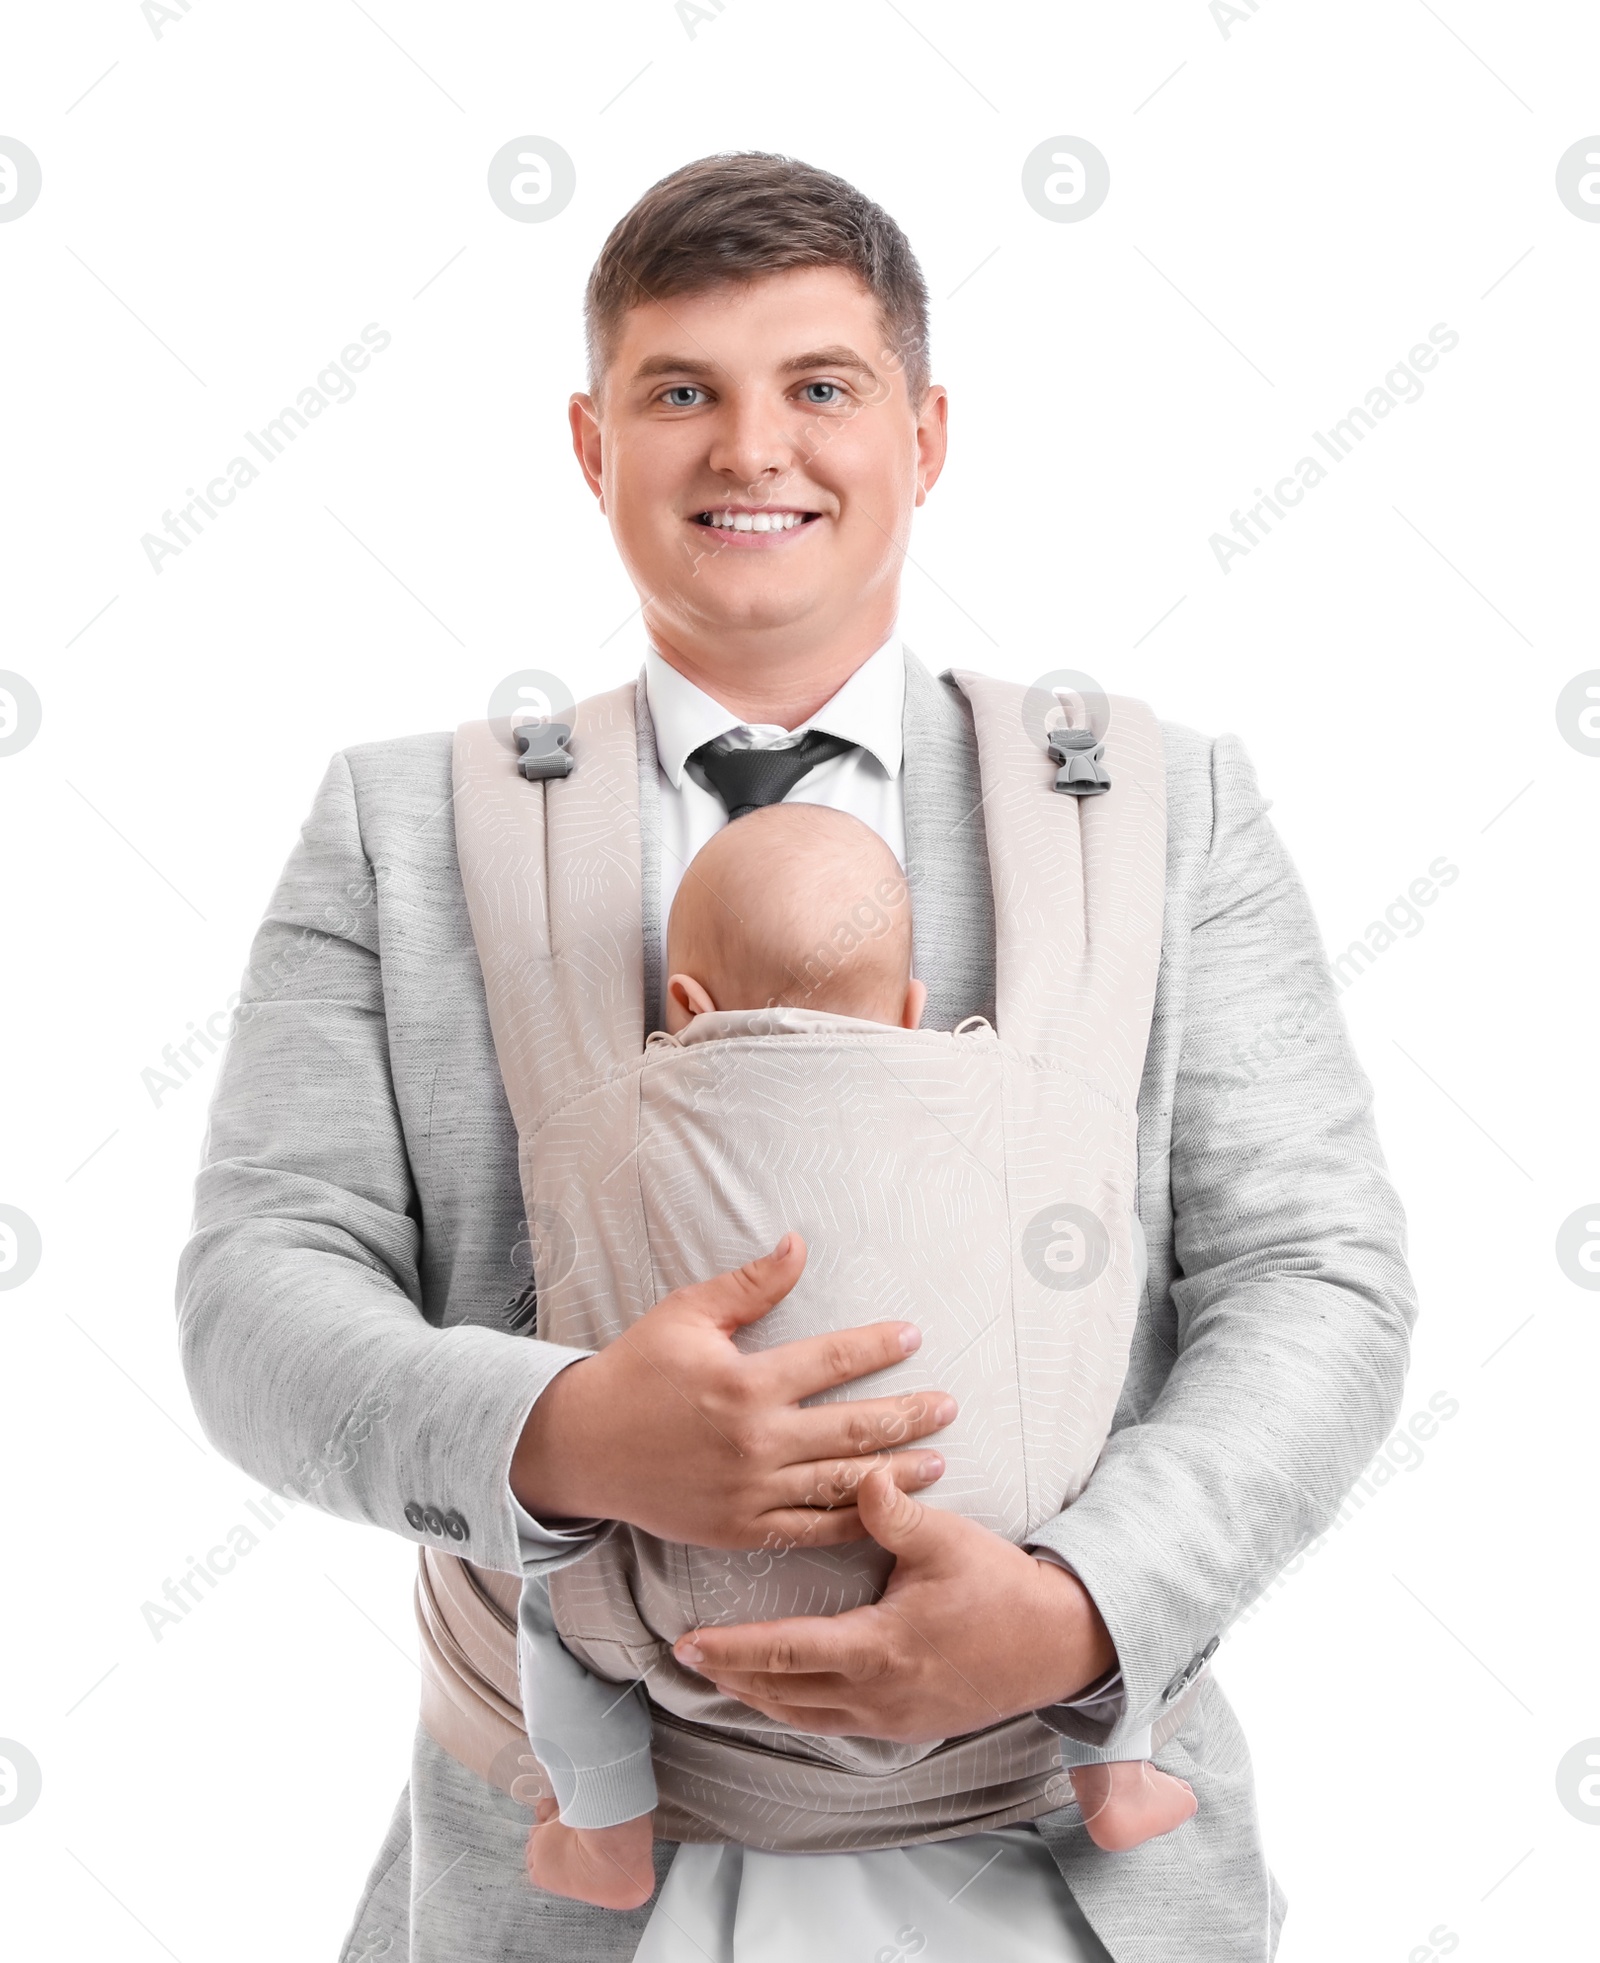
[{"x": 759, "y": 428}]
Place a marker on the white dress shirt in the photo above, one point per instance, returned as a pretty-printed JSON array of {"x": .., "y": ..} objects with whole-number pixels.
[{"x": 865, "y": 782}]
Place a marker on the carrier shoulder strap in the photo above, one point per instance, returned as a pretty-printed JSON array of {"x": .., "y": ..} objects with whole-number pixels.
[
  {"x": 552, "y": 875},
  {"x": 1079, "y": 882}
]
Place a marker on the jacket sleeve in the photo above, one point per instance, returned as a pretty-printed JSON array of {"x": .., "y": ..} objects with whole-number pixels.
[
  {"x": 300, "y": 1308},
  {"x": 1292, "y": 1308}
]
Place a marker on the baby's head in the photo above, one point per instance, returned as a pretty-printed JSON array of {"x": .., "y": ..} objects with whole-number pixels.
[{"x": 797, "y": 906}]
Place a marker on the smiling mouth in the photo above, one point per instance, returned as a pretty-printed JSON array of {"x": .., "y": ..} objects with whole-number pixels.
[{"x": 726, "y": 520}]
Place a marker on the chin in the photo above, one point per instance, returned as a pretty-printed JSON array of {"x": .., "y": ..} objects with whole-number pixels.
[{"x": 756, "y": 610}]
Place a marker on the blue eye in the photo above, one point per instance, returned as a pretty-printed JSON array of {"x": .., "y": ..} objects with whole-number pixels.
[
  {"x": 825, "y": 400},
  {"x": 682, "y": 396}
]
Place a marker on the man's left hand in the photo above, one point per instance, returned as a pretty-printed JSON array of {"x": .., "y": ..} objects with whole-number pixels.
[{"x": 969, "y": 1631}]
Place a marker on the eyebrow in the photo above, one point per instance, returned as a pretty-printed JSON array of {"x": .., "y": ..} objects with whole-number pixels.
[{"x": 838, "y": 356}]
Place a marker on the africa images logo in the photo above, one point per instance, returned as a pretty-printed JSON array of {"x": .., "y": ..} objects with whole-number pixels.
[
  {"x": 1402, "y": 385},
  {"x": 335, "y": 384}
]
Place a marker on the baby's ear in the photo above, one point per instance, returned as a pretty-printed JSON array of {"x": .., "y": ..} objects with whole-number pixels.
[
  {"x": 686, "y": 999},
  {"x": 916, "y": 1002}
]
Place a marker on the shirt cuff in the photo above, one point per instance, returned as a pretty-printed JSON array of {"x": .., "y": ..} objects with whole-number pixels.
[{"x": 541, "y": 1546}]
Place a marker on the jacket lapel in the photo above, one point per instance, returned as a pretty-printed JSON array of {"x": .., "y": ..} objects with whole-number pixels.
[
  {"x": 947, "y": 854},
  {"x": 655, "y": 1014}
]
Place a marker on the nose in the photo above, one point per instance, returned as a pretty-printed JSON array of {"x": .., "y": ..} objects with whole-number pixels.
[{"x": 752, "y": 447}]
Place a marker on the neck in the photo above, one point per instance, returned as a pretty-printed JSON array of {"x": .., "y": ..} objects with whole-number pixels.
[{"x": 760, "y": 683}]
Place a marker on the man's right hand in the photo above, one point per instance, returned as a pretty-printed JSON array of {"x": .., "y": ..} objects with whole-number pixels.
[{"x": 673, "y": 1429}]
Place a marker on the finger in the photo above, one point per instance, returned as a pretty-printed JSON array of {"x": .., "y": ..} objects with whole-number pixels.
[
  {"x": 834, "y": 1482},
  {"x": 860, "y": 1427},
  {"x": 744, "y": 1295},
  {"x": 895, "y": 1520},
  {"x": 810, "y": 1364},
  {"x": 789, "y": 1527},
  {"x": 797, "y": 1645}
]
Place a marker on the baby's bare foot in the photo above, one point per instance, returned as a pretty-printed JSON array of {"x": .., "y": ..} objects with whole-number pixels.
[
  {"x": 608, "y": 1866},
  {"x": 1129, "y": 1801}
]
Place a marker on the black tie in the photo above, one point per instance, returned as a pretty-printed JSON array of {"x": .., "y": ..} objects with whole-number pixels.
[{"x": 747, "y": 779}]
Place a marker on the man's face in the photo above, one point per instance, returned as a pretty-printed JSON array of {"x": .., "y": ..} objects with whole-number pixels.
[{"x": 757, "y": 454}]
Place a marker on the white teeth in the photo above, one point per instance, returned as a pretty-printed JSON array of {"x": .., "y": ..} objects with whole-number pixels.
[{"x": 755, "y": 521}]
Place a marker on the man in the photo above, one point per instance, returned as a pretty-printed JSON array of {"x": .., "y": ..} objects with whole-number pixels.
[{"x": 759, "y": 429}]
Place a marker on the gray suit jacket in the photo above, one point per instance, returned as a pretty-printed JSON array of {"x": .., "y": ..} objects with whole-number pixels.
[{"x": 347, "y": 1304}]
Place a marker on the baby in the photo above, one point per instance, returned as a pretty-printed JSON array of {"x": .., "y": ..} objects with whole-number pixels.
[{"x": 753, "y": 926}]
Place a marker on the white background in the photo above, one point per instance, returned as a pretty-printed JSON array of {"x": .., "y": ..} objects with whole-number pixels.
[{"x": 1295, "y": 206}]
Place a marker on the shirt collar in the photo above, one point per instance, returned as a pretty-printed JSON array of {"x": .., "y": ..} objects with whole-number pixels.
[{"x": 867, "y": 711}]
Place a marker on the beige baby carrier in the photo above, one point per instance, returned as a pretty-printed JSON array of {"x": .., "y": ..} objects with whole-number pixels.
[{"x": 979, "y": 1182}]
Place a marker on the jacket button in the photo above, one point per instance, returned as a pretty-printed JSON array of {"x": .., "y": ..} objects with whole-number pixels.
[
  {"x": 414, "y": 1515},
  {"x": 433, "y": 1519},
  {"x": 1176, "y": 1688},
  {"x": 1211, "y": 1649},
  {"x": 455, "y": 1526}
]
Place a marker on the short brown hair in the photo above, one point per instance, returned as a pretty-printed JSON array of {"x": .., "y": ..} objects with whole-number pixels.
[{"x": 738, "y": 216}]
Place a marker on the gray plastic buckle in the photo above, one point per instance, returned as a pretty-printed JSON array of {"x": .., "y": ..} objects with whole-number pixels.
[
  {"x": 543, "y": 750},
  {"x": 1081, "y": 756}
]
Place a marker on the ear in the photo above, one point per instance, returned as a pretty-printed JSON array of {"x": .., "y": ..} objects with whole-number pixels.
[
  {"x": 916, "y": 1002},
  {"x": 933, "y": 438},
  {"x": 584, "y": 419},
  {"x": 686, "y": 999}
]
